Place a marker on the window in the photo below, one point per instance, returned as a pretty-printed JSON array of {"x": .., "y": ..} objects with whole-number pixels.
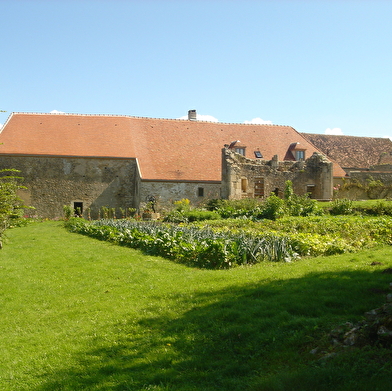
[
  {"x": 259, "y": 187},
  {"x": 200, "y": 191},
  {"x": 300, "y": 155},
  {"x": 78, "y": 208},
  {"x": 244, "y": 185},
  {"x": 258, "y": 154},
  {"x": 310, "y": 190},
  {"x": 240, "y": 150}
]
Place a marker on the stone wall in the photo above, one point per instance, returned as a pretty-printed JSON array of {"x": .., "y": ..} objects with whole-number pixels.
[
  {"x": 166, "y": 192},
  {"x": 53, "y": 182},
  {"x": 374, "y": 183},
  {"x": 250, "y": 178}
]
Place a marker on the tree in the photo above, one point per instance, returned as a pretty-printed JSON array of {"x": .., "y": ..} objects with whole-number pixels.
[{"x": 11, "y": 206}]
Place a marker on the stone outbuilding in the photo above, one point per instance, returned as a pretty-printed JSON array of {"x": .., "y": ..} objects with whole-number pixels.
[{"x": 249, "y": 178}]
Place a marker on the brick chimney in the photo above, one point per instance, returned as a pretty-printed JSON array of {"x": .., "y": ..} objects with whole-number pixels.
[{"x": 192, "y": 115}]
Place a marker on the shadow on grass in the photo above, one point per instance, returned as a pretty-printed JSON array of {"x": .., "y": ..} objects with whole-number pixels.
[{"x": 254, "y": 337}]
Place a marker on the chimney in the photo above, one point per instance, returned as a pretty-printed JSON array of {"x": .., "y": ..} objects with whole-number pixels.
[{"x": 192, "y": 115}]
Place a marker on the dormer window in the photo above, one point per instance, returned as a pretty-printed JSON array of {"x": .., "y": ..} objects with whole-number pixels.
[
  {"x": 299, "y": 154},
  {"x": 295, "y": 152},
  {"x": 240, "y": 150}
]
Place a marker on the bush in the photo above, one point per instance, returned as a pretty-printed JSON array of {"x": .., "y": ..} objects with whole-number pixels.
[
  {"x": 235, "y": 208},
  {"x": 11, "y": 206},
  {"x": 341, "y": 206},
  {"x": 214, "y": 204},
  {"x": 381, "y": 208},
  {"x": 175, "y": 217},
  {"x": 273, "y": 208},
  {"x": 182, "y": 205},
  {"x": 68, "y": 212},
  {"x": 302, "y": 206},
  {"x": 198, "y": 215},
  {"x": 299, "y": 205}
]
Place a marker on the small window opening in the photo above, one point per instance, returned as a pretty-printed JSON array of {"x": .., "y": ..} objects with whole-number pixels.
[
  {"x": 310, "y": 190},
  {"x": 258, "y": 155},
  {"x": 299, "y": 155},
  {"x": 200, "y": 191},
  {"x": 240, "y": 150},
  {"x": 78, "y": 209},
  {"x": 244, "y": 185},
  {"x": 259, "y": 187}
]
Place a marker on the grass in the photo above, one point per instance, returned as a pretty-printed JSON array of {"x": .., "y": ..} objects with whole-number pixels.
[{"x": 80, "y": 314}]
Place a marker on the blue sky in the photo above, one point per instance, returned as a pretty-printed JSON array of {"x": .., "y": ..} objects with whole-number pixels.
[{"x": 313, "y": 65}]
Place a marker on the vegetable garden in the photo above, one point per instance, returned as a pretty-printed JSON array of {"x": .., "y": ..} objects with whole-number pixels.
[{"x": 245, "y": 240}]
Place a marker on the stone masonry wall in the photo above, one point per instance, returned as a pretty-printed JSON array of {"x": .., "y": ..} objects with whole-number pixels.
[
  {"x": 53, "y": 182},
  {"x": 166, "y": 193},
  {"x": 249, "y": 178},
  {"x": 363, "y": 185}
]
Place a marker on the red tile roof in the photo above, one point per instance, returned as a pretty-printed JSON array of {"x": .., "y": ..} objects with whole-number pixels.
[
  {"x": 166, "y": 149},
  {"x": 353, "y": 151}
]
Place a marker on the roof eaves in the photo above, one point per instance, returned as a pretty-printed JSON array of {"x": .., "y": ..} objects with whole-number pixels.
[
  {"x": 181, "y": 180},
  {"x": 6, "y": 122},
  {"x": 67, "y": 156}
]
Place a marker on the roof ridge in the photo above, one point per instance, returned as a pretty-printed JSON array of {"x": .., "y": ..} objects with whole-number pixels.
[
  {"x": 142, "y": 117},
  {"x": 344, "y": 135}
]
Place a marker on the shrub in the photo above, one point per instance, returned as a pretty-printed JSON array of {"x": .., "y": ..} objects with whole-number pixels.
[
  {"x": 302, "y": 206},
  {"x": 273, "y": 208},
  {"x": 341, "y": 206},
  {"x": 11, "y": 206},
  {"x": 235, "y": 208},
  {"x": 175, "y": 217},
  {"x": 68, "y": 212},
  {"x": 182, "y": 205},
  {"x": 197, "y": 215},
  {"x": 299, "y": 205},
  {"x": 214, "y": 204},
  {"x": 381, "y": 208}
]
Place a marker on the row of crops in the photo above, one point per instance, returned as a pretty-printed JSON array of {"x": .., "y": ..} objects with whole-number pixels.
[{"x": 207, "y": 247}]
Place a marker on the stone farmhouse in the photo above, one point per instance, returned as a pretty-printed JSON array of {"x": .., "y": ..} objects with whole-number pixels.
[{"x": 91, "y": 161}]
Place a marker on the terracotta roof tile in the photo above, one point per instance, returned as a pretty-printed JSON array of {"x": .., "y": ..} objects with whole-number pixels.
[
  {"x": 353, "y": 151},
  {"x": 166, "y": 149}
]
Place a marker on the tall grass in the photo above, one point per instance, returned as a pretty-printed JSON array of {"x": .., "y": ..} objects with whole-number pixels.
[{"x": 82, "y": 314}]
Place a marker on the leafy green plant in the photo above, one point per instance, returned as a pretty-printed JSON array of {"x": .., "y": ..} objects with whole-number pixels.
[
  {"x": 235, "y": 208},
  {"x": 104, "y": 212},
  {"x": 299, "y": 205},
  {"x": 182, "y": 205},
  {"x": 288, "y": 190},
  {"x": 214, "y": 204},
  {"x": 273, "y": 208},
  {"x": 194, "y": 246},
  {"x": 195, "y": 215},
  {"x": 379, "y": 208},
  {"x": 68, "y": 212},
  {"x": 11, "y": 205},
  {"x": 341, "y": 206},
  {"x": 175, "y": 216}
]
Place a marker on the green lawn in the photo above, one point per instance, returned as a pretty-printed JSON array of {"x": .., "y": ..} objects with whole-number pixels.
[{"x": 80, "y": 314}]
